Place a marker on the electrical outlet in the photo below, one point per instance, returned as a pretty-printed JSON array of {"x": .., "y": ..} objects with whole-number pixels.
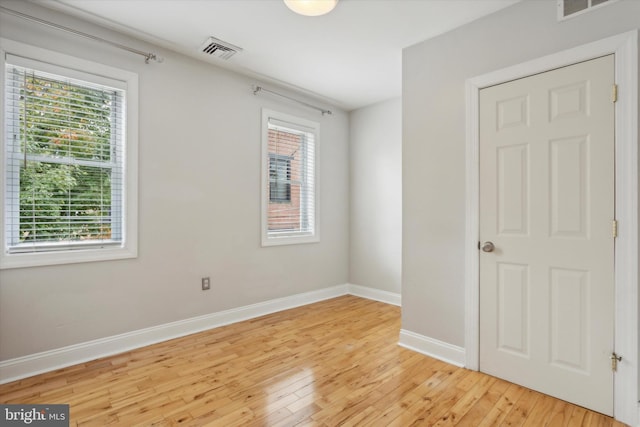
[{"x": 206, "y": 284}]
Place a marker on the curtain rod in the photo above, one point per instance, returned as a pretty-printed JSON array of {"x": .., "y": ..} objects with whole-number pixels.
[
  {"x": 257, "y": 89},
  {"x": 148, "y": 56}
]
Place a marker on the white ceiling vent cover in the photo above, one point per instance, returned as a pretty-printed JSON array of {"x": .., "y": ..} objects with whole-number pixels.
[{"x": 218, "y": 48}]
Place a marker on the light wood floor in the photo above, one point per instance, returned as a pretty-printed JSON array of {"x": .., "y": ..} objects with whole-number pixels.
[{"x": 333, "y": 363}]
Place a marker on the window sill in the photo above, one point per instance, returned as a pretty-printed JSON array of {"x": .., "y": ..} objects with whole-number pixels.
[
  {"x": 289, "y": 240},
  {"x": 22, "y": 260}
]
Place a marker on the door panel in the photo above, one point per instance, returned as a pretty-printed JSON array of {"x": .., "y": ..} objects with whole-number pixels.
[
  {"x": 513, "y": 306},
  {"x": 513, "y": 190},
  {"x": 547, "y": 203},
  {"x": 569, "y": 177},
  {"x": 569, "y": 319}
]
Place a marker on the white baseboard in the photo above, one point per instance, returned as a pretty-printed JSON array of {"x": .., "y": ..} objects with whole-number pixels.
[
  {"x": 26, "y": 366},
  {"x": 33, "y": 364},
  {"x": 374, "y": 294},
  {"x": 431, "y": 347}
]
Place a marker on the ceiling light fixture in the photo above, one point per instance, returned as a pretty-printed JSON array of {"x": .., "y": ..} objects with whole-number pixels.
[{"x": 311, "y": 7}]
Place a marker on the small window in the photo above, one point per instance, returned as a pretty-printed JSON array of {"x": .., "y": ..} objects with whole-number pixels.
[
  {"x": 64, "y": 163},
  {"x": 570, "y": 8},
  {"x": 289, "y": 196},
  {"x": 279, "y": 178}
]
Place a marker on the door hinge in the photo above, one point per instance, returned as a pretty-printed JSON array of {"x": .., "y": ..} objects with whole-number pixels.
[
  {"x": 614, "y": 228},
  {"x": 614, "y": 361},
  {"x": 614, "y": 93}
]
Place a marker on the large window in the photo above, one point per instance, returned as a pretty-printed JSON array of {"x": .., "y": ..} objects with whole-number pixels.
[
  {"x": 65, "y": 163},
  {"x": 289, "y": 190}
]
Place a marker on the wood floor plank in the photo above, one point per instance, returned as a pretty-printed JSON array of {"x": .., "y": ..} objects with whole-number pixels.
[
  {"x": 466, "y": 402},
  {"x": 577, "y": 418},
  {"x": 428, "y": 396},
  {"x": 503, "y": 407},
  {"x": 522, "y": 409},
  {"x": 560, "y": 414},
  {"x": 541, "y": 412},
  {"x": 333, "y": 363},
  {"x": 484, "y": 405}
]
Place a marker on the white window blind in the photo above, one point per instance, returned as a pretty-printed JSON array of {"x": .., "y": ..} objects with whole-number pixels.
[
  {"x": 64, "y": 160},
  {"x": 289, "y": 179}
]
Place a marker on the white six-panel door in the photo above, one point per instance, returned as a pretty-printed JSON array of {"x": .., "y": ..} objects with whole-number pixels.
[{"x": 547, "y": 206}]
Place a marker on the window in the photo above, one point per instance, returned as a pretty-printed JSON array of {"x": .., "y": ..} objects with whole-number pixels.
[
  {"x": 279, "y": 178},
  {"x": 289, "y": 177},
  {"x": 65, "y": 161},
  {"x": 570, "y": 8}
]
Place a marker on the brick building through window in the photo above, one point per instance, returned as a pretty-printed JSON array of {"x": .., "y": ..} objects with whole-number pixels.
[
  {"x": 289, "y": 176},
  {"x": 285, "y": 176}
]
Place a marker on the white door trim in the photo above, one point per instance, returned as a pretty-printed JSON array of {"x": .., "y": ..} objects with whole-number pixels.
[{"x": 625, "y": 48}]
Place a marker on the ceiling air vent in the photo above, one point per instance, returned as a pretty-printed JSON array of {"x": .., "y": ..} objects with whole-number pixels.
[
  {"x": 570, "y": 8},
  {"x": 216, "y": 47}
]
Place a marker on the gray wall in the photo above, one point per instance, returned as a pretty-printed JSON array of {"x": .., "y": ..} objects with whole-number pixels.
[
  {"x": 199, "y": 207},
  {"x": 434, "y": 74},
  {"x": 376, "y": 196}
]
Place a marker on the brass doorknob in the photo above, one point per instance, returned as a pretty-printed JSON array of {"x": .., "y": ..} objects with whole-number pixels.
[{"x": 488, "y": 247}]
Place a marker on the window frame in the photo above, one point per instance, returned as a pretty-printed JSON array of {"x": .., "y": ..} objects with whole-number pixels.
[
  {"x": 304, "y": 125},
  {"x": 590, "y": 7},
  {"x": 74, "y": 68}
]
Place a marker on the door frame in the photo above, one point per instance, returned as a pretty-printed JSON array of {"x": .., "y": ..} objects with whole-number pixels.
[{"x": 625, "y": 49}]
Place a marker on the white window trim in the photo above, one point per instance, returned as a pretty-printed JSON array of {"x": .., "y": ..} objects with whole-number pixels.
[
  {"x": 264, "y": 196},
  {"x": 129, "y": 247}
]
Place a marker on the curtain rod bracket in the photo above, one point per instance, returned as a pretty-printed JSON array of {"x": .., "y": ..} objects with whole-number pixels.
[{"x": 152, "y": 57}]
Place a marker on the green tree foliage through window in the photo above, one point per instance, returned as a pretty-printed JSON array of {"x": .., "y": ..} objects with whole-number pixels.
[{"x": 68, "y": 161}]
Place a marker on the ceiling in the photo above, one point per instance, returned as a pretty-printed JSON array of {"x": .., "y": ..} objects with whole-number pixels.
[{"x": 351, "y": 57}]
